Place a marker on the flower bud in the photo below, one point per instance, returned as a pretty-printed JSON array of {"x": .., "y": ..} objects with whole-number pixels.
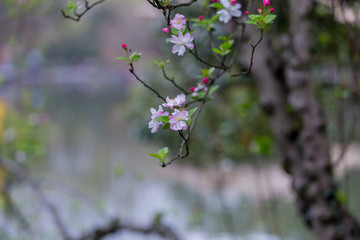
[
  {"x": 214, "y": 1},
  {"x": 124, "y": 46},
  {"x": 232, "y": 2},
  {"x": 201, "y": 18},
  {"x": 272, "y": 10},
  {"x": 206, "y": 80},
  {"x": 246, "y": 12},
  {"x": 259, "y": 10},
  {"x": 166, "y": 30},
  {"x": 192, "y": 89},
  {"x": 266, "y": 3}
]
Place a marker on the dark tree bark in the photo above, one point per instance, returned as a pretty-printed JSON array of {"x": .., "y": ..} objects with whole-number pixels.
[{"x": 298, "y": 124}]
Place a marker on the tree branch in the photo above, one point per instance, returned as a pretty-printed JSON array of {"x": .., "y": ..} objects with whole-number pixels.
[{"x": 78, "y": 16}]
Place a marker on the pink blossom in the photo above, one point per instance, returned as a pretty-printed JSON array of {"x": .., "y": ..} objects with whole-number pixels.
[
  {"x": 228, "y": 11},
  {"x": 153, "y": 124},
  {"x": 266, "y": 3},
  {"x": 175, "y": 102},
  {"x": 201, "y": 18},
  {"x": 124, "y": 46},
  {"x": 178, "y": 21},
  {"x": 206, "y": 80},
  {"x": 177, "y": 120},
  {"x": 259, "y": 10},
  {"x": 166, "y": 30},
  {"x": 272, "y": 10},
  {"x": 180, "y": 42}
]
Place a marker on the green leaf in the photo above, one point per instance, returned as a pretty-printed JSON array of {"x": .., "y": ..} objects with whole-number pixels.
[
  {"x": 175, "y": 31},
  {"x": 213, "y": 89},
  {"x": 226, "y": 52},
  {"x": 192, "y": 111},
  {"x": 222, "y": 38},
  {"x": 162, "y": 119},
  {"x": 251, "y": 22},
  {"x": 211, "y": 70},
  {"x": 163, "y": 152},
  {"x": 160, "y": 64},
  {"x": 71, "y": 6},
  {"x": 214, "y": 18},
  {"x": 269, "y": 18},
  {"x": 135, "y": 58},
  {"x": 255, "y": 17},
  {"x": 215, "y": 50},
  {"x": 166, "y": 126},
  {"x": 226, "y": 45},
  {"x": 231, "y": 42},
  {"x": 123, "y": 58},
  {"x": 155, "y": 155},
  {"x": 217, "y": 5}
]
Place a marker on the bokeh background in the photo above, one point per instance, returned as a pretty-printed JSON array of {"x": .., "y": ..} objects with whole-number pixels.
[{"x": 77, "y": 119}]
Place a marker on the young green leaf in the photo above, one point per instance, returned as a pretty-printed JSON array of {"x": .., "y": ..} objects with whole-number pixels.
[
  {"x": 162, "y": 119},
  {"x": 123, "y": 58},
  {"x": 217, "y": 5},
  {"x": 155, "y": 155},
  {"x": 269, "y": 18},
  {"x": 163, "y": 152},
  {"x": 215, "y": 50},
  {"x": 213, "y": 89},
  {"x": 192, "y": 111}
]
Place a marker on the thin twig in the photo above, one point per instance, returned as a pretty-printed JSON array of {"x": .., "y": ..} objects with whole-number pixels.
[
  {"x": 132, "y": 71},
  {"x": 172, "y": 80},
  {"x": 252, "y": 57},
  {"x": 79, "y": 15},
  {"x": 116, "y": 226}
]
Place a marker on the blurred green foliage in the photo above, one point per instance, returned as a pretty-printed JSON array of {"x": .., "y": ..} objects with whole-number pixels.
[{"x": 22, "y": 134}]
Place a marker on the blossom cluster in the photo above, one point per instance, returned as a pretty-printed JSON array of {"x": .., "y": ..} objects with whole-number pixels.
[
  {"x": 230, "y": 9},
  {"x": 177, "y": 120},
  {"x": 183, "y": 38}
]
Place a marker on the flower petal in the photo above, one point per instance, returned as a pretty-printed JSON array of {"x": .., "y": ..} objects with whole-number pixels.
[
  {"x": 176, "y": 48},
  {"x": 189, "y": 45},
  {"x": 174, "y": 39},
  {"x": 181, "y": 50}
]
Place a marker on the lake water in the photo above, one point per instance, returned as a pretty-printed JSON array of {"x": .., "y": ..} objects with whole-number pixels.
[{"x": 98, "y": 169}]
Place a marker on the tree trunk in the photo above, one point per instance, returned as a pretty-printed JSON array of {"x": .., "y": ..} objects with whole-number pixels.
[{"x": 298, "y": 124}]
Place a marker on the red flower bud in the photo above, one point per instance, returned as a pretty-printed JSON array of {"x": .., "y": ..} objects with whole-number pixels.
[
  {"x": 124, "y": 46},
  {"x": 166, "y": 30},
  {"x": 259, "y": 10},
  {"x": 232, "y": 2},
  {"x": 192, "y": 89},
  {"x": 214, "y": 1},
  {"x": 201, "y": 18},
  {"x": 272, "y": 10},
  {"x": 246, "y": 12},
  {"x": 266, "y": 3},
  {"x": 206, "y": 80}
]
